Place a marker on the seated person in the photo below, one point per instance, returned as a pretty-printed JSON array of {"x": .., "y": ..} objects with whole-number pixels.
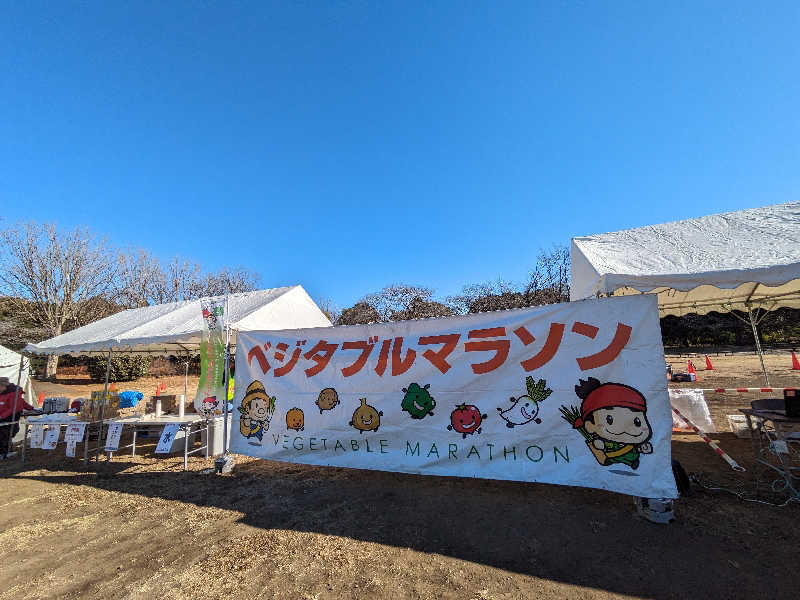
[{"x": 9, "y": 393}]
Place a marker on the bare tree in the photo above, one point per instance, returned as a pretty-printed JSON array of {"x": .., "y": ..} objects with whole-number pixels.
[
  {"x": 484, "y": 297},
  {"x": 360, "y": 313},
  {"x": 181, "y": 281},
  {"x": 331, "y": 310},
  {"x": 397, "y": 298},
  {"x": 548, "y": 283},
  {"x": 550, "y": 278},
  {"x": 422, "y": 309},
  {"x": 54, "y": 277},
  {"x": 139, "y": 276},
  {"x": 228, "y": 281},
  {"x": 143, "y": 280}
]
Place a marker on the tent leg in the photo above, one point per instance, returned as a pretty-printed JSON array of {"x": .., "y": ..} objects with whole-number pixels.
[
  {"x": 758, "y": 346},
  {"x": 14, "y": 408},
  {"x": 102, "y": 408}
]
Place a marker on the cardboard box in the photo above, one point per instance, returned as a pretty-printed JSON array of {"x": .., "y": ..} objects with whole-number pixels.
[
  {"x": 95, "y": 407},
  {"x": 169, "y": 404}
]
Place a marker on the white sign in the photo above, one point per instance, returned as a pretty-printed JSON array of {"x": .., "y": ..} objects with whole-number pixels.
[
  {"x": 167, "y": 437},
  {"x": 112, "y": 437},
  {"x": 70, "y": 447},
  {"x": 37, "y": 435},
  {"x": 51, "y": 436},
  {"x": 75, "y": 432},
  {"x": 571, "y": 393}
]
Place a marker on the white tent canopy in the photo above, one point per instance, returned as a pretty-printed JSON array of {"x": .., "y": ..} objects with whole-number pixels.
[
  {"x": 9, "y": 367},
  {"x": 177, "y": 327},
  {"x": 741, "y": 260},
  {"x": 737, "y": 260}
]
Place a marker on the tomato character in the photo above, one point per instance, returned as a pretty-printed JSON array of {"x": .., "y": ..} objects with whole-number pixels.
[{"x": 466, "y": 419}]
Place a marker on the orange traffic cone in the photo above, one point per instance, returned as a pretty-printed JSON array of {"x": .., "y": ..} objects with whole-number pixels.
[
  {"x": 795, "y": 362},
  {"x": 691, "y": 368},
  {"x": 709, "y": 366}
]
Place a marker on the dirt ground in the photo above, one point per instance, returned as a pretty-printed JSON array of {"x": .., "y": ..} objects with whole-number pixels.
[{"x": 142, "y": 528}]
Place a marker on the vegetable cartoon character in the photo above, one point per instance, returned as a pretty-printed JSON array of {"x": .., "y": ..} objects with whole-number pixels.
[
  {"x": 466, "y": 419},
  {"x": 295, "y": 419},
  {"x": 257, "y": 409},
  {"x": 366, "y": 418},
  {"x": 327, "y": 400},
  {"x": 613, "y": 420},
  {"x": 418, "y": 402},
  {"x": 526, "y": 408}
]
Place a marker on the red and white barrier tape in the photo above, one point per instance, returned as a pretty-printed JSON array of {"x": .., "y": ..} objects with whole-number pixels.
[{"x": 734, "y": 465}]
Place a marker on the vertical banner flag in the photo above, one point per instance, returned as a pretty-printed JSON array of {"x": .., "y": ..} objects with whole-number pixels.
[
  {"x": 112, "y": 436},
  {"x": 51, "y": 436},
  {"x": 569, "y": 393},
  {"x": 70, "y": 451},
  {"x": 211, "y": 387},
  {"x": 167, "y": 437},
  {"x": 37, "y": 435}
]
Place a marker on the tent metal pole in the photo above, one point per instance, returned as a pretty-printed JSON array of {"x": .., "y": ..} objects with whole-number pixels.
[
  {"x": 758, "y": 345},
  {"x": 14, "y": 408},
  {"x": 225, "y": 462},
  {"x": 227, "y": 388},
  {"x": 102, "y": 408}
]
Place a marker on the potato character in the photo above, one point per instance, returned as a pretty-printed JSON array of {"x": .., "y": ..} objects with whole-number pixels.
[
  {"x": 295, "y": 419},
  {"x": 327, "y": 400}
]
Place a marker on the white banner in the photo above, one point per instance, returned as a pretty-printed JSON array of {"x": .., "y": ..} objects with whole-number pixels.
[
  {"x": 167, "y": 437},
  {"x": 37, "y": 435},
  {"x": 51, "y": 436},
  {"x": 571, "y": 393},
  {"x": 75, "y": 432},
  {"x": 70, "y": 451},
  {"x": 112, "y": 436}
]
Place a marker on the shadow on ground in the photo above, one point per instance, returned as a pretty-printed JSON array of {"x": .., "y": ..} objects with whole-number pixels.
[{"x": 719, "y": 547}]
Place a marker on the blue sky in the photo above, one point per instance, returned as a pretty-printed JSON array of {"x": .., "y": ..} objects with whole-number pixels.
[{"x": 349, "y": 145}]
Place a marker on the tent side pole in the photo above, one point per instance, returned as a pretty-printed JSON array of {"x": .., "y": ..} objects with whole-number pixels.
[
  {"x": 14, "y": 408},
  {"x": 227, "y": 388},
  {"x": 225, "y": 462},
  {"x": 758, "y": 345},
  {"x": 102, "y": 408}
]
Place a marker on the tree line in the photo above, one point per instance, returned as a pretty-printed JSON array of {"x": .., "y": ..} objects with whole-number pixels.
[
  {"x": 53, "y": 281},
  {"x": 547, "y": 283},
  {"x": 57, "y": 280}
]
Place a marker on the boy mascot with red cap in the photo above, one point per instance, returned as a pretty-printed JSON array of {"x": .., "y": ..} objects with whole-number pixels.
[
  {"x": 613, "y": 419},
  {"x": 257, "y": 409}
]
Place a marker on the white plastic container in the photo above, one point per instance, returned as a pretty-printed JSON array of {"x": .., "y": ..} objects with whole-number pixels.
[
  {"x": 738, "y": 425},
  {"x": 215, "y": 435}
]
